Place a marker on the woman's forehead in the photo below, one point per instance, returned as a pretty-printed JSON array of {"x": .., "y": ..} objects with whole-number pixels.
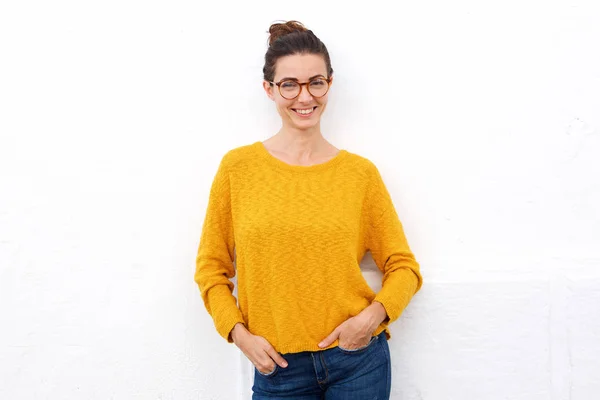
[{"x": 300, "y": 66}]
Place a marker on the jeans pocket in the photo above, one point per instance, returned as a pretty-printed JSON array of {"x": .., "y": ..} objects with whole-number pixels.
[
  {"x": 360, "y": 349},
  {"x": 269, "y": 374}
]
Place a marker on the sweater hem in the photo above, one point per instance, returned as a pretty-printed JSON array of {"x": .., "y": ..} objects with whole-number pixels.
[{"x": 313, "y": 347}]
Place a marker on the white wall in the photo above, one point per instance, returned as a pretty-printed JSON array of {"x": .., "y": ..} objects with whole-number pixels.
[{"x": 484, "y": 118}]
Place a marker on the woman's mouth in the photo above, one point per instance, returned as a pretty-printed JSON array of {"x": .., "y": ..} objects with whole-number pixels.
[{"x": 304, "y": 112}]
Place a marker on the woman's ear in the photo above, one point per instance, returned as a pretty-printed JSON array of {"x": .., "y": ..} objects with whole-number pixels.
[{"x": 269, "y": 89}]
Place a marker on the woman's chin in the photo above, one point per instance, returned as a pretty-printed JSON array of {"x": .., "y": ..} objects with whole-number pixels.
[{"x": 305, "y": 123}]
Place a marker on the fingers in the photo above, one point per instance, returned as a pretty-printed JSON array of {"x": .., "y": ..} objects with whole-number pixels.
[
  {"x": 264, "y": 356},
  {"x": 277, "y": 357},
  {"x": 265, "y": 370},
  {"x": 262, "y": 361},
  {"x": 355, "y": 343},
  {"x": 331, "y": 338}
]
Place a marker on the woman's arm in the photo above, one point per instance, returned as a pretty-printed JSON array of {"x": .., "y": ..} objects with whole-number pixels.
[
  {"x": 214, "y": 261},
  {"x": 384, "y": 237}
]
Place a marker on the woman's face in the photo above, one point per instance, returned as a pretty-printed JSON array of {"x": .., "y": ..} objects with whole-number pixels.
[{"x": 302, "y": 67}]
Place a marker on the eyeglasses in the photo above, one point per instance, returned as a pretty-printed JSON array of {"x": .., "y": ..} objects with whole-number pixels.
[{"x": 291, "y": 88}]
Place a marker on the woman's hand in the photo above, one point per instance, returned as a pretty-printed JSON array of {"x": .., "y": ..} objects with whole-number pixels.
[
  {"x": 356, "y": 332},
  {"x": 258, "y": 350}
]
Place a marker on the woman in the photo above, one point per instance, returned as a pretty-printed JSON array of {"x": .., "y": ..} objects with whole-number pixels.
[{"x": 300, "y": 215}]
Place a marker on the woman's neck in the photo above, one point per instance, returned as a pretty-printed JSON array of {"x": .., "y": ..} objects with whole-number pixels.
[{"x": 300, "y": 144}]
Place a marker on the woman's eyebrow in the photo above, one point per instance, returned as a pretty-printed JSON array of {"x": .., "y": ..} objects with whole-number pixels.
[{"x": 296, "y": 79}]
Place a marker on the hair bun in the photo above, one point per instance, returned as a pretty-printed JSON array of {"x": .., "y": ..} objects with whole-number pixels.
[{"x": 278, "y": 30}]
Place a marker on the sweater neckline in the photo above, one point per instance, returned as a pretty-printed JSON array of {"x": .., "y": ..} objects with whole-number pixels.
[{"x": 271, "y": 159}]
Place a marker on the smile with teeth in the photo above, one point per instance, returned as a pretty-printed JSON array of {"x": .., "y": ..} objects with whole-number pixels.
[{"x": 304, "y": 111}]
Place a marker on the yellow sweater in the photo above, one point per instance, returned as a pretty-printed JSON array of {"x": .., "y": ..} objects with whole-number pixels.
[{"x": 298, "y": 234}]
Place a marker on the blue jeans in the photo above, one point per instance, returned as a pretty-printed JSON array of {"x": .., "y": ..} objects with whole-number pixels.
[{"x": 332, "y": 374}]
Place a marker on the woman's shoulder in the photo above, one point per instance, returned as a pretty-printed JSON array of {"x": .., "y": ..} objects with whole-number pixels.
[
  {"x": 361, "y": 163},
  {"x": 360, "y": 159},
  {"x": 240, "y": 154}
]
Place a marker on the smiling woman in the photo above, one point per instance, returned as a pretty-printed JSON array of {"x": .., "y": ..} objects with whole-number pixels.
[
  {"x": 302, "y": 84},
  {"x": 300, "y": 214},
  {"x": 298, "y": 64}
]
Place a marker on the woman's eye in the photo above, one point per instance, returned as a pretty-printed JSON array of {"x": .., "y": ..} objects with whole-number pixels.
[
  {"x": 317, "y": 83},
  {"x": 288, "y": 85}
]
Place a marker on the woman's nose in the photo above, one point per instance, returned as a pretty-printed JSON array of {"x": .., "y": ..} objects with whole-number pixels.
[{"x": 304, "y": 96}]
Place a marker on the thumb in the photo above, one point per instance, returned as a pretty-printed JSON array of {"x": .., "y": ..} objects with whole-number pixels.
[{"x": 331, "y": 338}]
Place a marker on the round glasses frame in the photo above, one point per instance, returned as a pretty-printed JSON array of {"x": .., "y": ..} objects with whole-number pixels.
[{"x": 328, "y": 80}]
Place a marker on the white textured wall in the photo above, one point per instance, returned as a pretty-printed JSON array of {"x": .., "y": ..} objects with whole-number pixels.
[{"x": 484, "y": 118}]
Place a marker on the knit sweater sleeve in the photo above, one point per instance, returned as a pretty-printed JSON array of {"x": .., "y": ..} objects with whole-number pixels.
[
  {"x": 384, "y": 236},
  {"x": 214, "y": 261}
]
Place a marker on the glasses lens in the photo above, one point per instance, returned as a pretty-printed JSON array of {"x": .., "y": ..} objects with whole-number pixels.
[
  {"x": 289, "y": 89},
  {"x": 318, "y": 87}
]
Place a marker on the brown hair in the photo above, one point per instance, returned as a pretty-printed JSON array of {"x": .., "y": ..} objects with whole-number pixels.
[{"x": 288, "y": 38}]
